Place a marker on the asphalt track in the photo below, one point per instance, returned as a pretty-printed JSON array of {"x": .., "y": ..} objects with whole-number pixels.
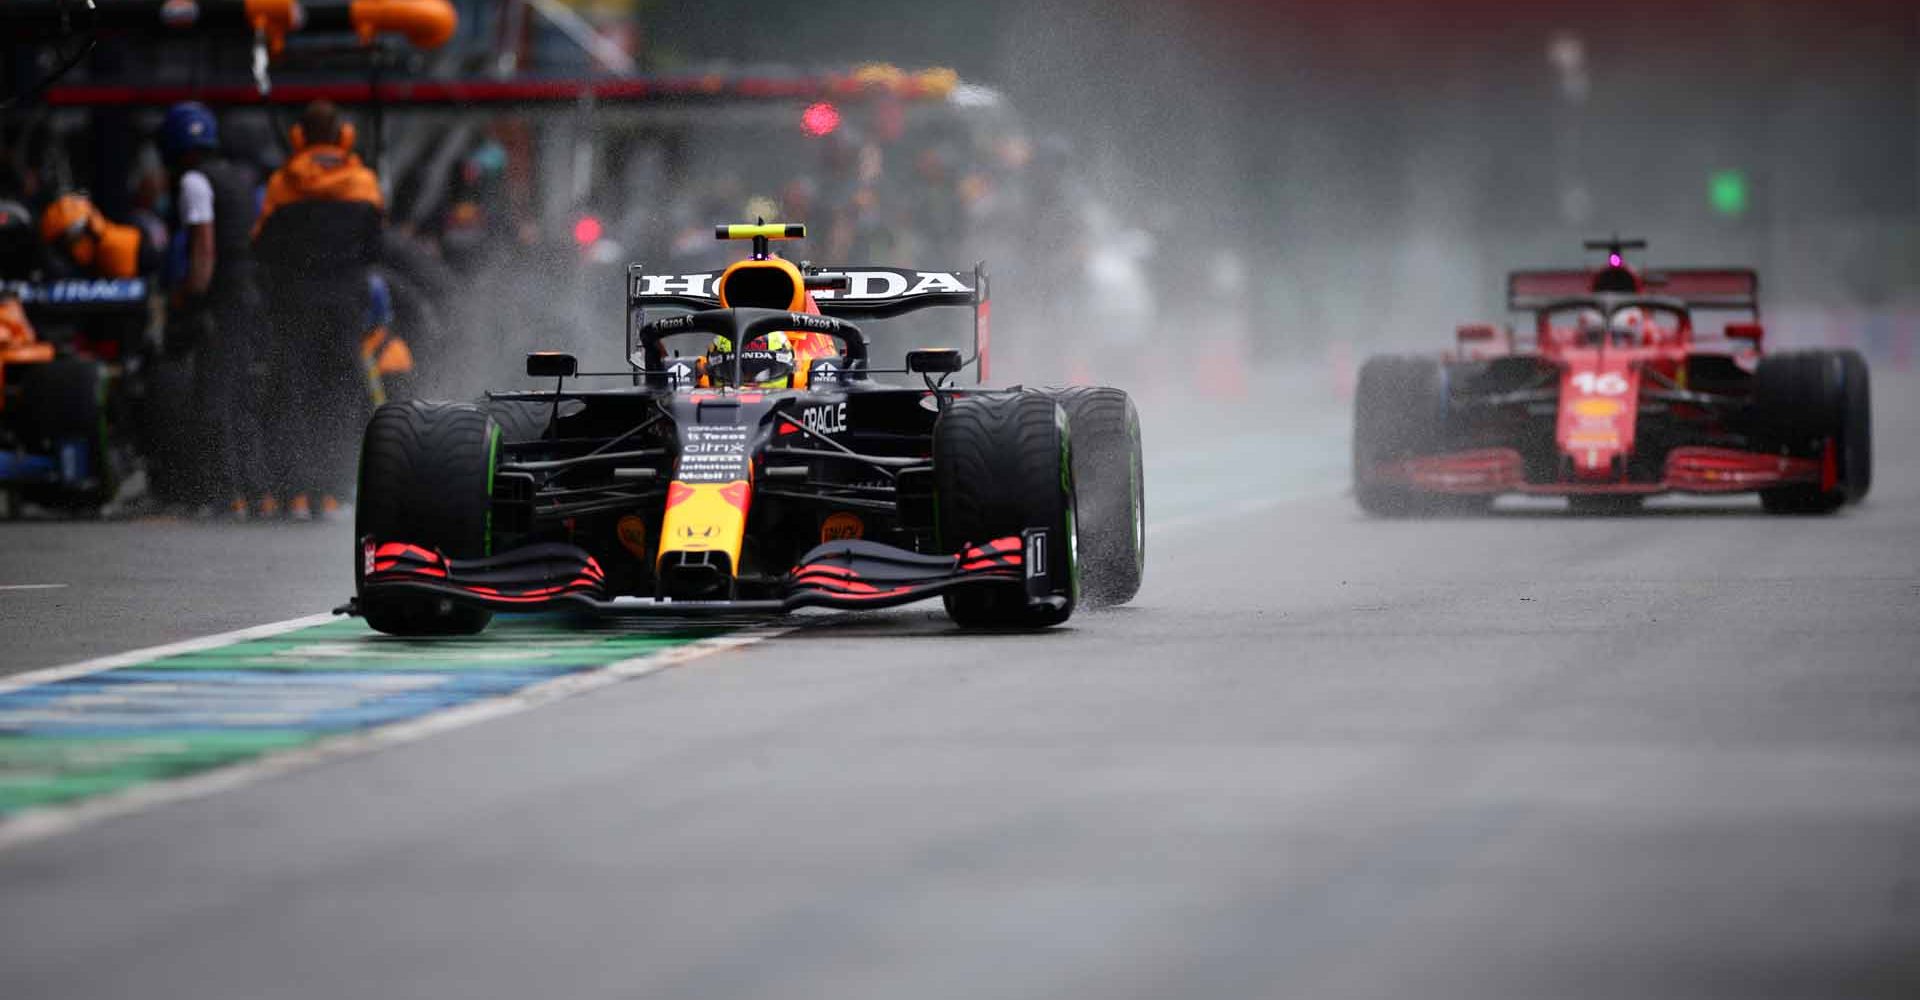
[{"x": 1528, "y": 755}]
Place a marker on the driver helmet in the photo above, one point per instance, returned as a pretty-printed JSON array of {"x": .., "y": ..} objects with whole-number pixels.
[
  {"x": 1590, "y": 326},
  {"x": 766, "y": 363},
  {"x": 1629, "y": 323},
  {"x": 71, "y": 226}
]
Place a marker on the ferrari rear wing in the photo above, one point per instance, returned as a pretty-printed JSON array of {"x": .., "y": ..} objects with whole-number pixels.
[
  {"x": 853, "y": 292},
  {"x": 1700, "y": 288},
  {"x": 1709, "y": 287}
]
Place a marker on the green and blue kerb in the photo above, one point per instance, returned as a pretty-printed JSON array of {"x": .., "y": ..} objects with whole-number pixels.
[{"x": 179, "y": 715}]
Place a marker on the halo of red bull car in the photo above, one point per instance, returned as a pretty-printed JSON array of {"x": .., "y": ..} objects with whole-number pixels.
[
  {"x": 769, "y": 472},
  {"x": 1628, "y": 389}
]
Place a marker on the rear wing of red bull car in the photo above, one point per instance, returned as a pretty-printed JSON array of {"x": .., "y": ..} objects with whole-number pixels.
[{"x": 852, "y": 292}]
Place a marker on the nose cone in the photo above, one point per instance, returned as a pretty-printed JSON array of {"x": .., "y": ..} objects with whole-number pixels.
[{"x": 1596, "y": 420}]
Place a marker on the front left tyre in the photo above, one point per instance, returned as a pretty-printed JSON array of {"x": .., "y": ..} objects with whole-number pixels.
[
  {"x": 426, "y": 478},
  {"x": 1810, "y": 403}
]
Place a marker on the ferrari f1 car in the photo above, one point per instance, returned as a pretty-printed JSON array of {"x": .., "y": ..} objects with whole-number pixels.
[
  {"x": 764, "y": 472},
  {"x": 1617, "y": 398}
]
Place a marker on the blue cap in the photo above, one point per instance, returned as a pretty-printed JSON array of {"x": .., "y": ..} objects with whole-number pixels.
[{"x": 188, "y": 126}]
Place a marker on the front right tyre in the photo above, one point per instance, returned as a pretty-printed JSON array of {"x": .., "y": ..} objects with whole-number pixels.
[
  {"x": 426, "y": 478},
  {"x": 1399, "y": 412}
]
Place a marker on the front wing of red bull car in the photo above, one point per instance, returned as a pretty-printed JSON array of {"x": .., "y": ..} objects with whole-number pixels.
[
  {"x": 1615, "y": 401},
  {"x": 770, "y": 473}
]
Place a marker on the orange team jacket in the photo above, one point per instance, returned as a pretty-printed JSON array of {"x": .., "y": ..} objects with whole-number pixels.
[{"x": 322, "y": 215}]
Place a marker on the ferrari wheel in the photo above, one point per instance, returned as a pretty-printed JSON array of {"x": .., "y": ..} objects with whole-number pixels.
[
  {"x": 426, "y": 477},
  {"x": 1807, "y": 402},
  {"x": 1001, "y": 465},
  {"x": 1399, "y": 411},
  {"x": 1110, "y": 492}
]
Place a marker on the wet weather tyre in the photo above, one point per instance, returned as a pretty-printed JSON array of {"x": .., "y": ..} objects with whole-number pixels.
[
  {"x": 426, "y": 477},
  {"x": 1806, "y": 402},
  {"x": 1002, "y": 464},
  {"x": 63, "y": 409},
  {"x": 1399, "y": 411},
  {"x": 1109, "y": 483}
]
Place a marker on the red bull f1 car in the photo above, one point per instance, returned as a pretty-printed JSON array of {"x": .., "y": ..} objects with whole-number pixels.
[
  {"x": 764, "y": 470},
  {"x": 1620, "y": 394}
]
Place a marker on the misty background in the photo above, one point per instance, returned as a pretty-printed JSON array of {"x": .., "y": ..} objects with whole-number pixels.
[
  {"x": 1241, "y": 182},
  {"x": 1380, "y": 165}
]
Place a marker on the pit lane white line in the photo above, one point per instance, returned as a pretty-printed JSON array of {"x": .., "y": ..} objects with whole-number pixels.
[
  {"x": 48, "y": 675},
  {"x": 31, "y": 586},
  {"x": 40, "y": 824}
]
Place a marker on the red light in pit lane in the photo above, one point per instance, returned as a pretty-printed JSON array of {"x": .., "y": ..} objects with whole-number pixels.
[
  {"x": 819, "y": 119},
  {"x": 587, "y": 231}
]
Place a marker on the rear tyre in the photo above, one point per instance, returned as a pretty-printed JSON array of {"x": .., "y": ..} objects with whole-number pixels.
[
  {"x": 426, "y": 477},
  {"x": 1002, "y": 464},
  {"x": 63, "y": 409},
  {"x": 1806, "y": 402},
  {"x": 1400, "y": 411},
  {"x": 1110, "y": 492}
]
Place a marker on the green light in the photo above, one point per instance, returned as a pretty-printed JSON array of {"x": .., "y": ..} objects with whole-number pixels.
[{"x": 1727, "y": 192}]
